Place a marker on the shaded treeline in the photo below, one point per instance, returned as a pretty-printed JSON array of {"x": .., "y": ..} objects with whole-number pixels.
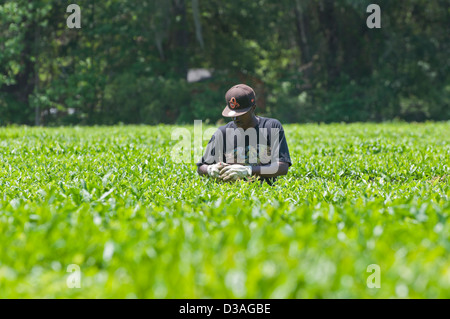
[{"x": 307, "y": 60}]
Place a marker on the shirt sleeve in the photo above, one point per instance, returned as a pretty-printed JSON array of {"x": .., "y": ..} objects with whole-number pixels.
[
  {"x": 282, "y": 146},
  {"x": 214, "y": 150}
]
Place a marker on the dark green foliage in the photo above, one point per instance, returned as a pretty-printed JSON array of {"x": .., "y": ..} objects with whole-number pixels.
[{"x": 309, "y": 61}]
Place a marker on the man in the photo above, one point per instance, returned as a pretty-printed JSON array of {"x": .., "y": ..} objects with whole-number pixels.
[{"x": 248, "y": 147}]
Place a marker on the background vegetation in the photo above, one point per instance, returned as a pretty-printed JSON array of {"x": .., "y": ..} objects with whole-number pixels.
[{"x": 307, "y": 60}]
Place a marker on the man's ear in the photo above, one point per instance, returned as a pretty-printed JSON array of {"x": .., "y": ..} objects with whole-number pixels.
[{"x": 253, "y": 108}]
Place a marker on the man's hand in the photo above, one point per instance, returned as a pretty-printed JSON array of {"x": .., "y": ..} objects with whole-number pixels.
[
  {"x": 234, "y": 172},
  {"x": 214, "y": 169}
]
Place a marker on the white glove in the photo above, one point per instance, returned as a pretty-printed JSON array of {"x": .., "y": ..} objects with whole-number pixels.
[
  {"x": 234, "y": 172},
  {"x": 214, "y": 169}
]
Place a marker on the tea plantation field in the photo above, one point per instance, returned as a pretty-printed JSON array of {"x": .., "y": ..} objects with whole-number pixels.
[{"x": 111, "y": 201}]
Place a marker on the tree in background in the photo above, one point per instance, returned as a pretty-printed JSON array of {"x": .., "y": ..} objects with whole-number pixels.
[{"x": 307, "y": 60}]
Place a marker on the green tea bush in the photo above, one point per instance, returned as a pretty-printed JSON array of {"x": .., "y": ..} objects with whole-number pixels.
[{"x": 139, "y": 225}]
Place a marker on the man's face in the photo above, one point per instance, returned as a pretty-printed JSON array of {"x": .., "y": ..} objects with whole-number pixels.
[{"x": 245, "y": 120}]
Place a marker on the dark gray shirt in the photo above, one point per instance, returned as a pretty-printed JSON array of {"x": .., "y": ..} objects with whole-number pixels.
[{"x": 256, "y": 146}]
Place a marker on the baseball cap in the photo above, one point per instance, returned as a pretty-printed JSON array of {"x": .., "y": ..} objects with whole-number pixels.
[{"x": 240, "y": 99}]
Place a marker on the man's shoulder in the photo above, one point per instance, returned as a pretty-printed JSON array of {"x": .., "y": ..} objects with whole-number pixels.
[
  {"x": 264, "y": 122},
  {"x": 224, "y": 127},
  {"x": 269, "y": 122}
]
